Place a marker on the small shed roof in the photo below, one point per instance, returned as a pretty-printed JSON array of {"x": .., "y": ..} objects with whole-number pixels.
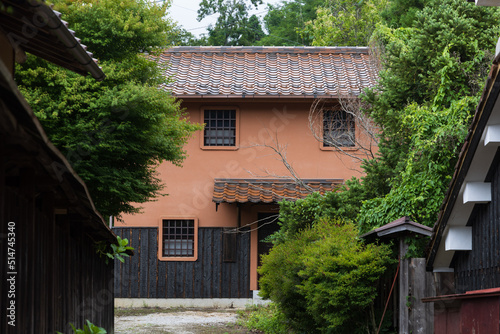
[
  {"x": 260, "y": 72},
  {"x": 399, "y": 228},
  {"x": 36, "y": 28},
  {"x": 268, "y": 190}
]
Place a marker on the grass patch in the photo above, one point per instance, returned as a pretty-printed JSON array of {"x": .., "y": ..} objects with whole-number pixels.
[{"x": 264, "y": 319}]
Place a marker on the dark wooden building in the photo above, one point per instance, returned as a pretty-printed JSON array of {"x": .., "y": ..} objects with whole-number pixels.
[
  {"x": 215, "y": 274},
  {"x": 465, "y": 248},
  {"x": 51, "y": 275}
]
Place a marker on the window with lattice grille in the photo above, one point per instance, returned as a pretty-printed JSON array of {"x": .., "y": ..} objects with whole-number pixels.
[
  {"x": 338, "y": 129},
  {"x": 178, "y": 237},
  {"x": 220, "y": 127}
]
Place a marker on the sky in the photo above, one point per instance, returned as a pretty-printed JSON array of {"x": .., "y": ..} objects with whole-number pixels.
[{"x": 185, "y": 13}]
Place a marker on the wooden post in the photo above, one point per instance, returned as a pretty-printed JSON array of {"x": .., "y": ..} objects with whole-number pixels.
[
  {"x": 421, "y": 285},
  {"x": 414, "y": 283}
]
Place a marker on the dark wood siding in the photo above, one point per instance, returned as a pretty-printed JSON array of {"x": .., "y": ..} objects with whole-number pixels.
[
  {"x": 480, "y": 268},
  {"x": 207, "y": 277},
  {"x": 59, "y": 277}
]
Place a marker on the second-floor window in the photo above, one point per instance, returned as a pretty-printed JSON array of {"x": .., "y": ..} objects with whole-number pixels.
[
  {"x": 338, "y": 129},
  {"x": 220, "y": 127}
]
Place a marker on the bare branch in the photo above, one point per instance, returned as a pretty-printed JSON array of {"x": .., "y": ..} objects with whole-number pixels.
[
  {"x": 279, "y": 151},
  {"x": 344, "y": 127},
  {"x": 239, "y": 229}
]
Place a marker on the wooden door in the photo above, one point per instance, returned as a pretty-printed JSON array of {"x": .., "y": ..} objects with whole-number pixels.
[{"x": 268, "y": 224}]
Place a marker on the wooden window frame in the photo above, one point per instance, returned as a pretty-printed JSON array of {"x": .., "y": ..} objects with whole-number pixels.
[
  {"x": 323, "y": 145},
  {"x": 236, "y": 128},
  {"x": 161, "y": 255}
]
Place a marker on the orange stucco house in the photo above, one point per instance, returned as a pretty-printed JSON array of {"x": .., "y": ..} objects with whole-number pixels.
[{"x": 204, "y": 239}]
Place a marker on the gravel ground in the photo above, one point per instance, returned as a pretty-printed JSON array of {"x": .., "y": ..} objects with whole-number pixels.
[{"x": 178, "y": 322}]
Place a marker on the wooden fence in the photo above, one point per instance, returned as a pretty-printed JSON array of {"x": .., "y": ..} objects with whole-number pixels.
[
  {"x": 144, "y": 276},
  {"x": 58, "y": 278}
]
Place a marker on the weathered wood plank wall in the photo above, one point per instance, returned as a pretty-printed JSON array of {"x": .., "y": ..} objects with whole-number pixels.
[
  {"x": 144, "y": 276},
  {"x": 420, "y": 285},
  {"x": 480, "y": 268},
  {"x": 59, "y": 277}
]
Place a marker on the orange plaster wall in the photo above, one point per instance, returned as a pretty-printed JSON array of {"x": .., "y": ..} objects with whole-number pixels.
[{"x": 190, "y": 187}]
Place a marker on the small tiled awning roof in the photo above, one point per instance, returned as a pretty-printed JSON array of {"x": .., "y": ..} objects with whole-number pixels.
[
  {"x": 269, "y": 190},
  {"x": 263, "y": 71}
]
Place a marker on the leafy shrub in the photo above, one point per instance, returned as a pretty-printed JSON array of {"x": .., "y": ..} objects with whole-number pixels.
[
  {"x": 268, "y": 319},
  {"x": 280, "y": 279},
  {"x": 117, "y": 251},
  {"x": 89, "y": 328},
  {"x": 342, "y": 203},
  {"x": 323, "y": 280}
]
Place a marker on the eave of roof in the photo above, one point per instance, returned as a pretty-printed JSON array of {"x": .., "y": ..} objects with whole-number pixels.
[
  {"x": 451, "y": 208},
  {"x": 268, "y": 72},
  {"x": 18, "y": 120},
  {"x": 36, "y": 28}
]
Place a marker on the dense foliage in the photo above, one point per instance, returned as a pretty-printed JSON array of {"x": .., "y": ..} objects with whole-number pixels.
[
  {"x": 117, "y": 131},
  {"x": 118, "y": 29},
  {"x": 434, "y": 57},
  {"x": 233, "y": 26},
  {"x": 423, "y": 103},
  {"x": 346, "y": 22},
  {"x": 286, "y": 22},
  {"x": 323, "y": 279},
  {"x": 301, "y": 214}
]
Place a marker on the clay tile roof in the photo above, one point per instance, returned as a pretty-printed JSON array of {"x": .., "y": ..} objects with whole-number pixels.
[
  {"x": 268, "y": 190},
  {"x": 36, "y": 28},
  {"x": 263, "y": 71}
]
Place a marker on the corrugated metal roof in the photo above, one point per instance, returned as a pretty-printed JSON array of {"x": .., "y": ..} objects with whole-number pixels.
[
  {"x": 268, "y": 71},
  {"x": 268, "y": 190},
  {"x": 34, "y": 27}
]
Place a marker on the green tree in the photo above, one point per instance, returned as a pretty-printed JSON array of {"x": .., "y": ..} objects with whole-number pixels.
[
  {"x": 233, "y": 27},
  {"x": 402, "y": 13},
  {"x": 346, "y": 22},
  {"x": 181, "y": 36},
  {"x": 115, "y": 132},
  {"x": 418, "y": 191},
  {"x": 461, "y": 36},
  {"x": 286, "y": 22},
  {"x": 323, "y": 280},
  {"x": 252, "y": 32},
  {"x": 118, "y": 29},
  {"x": 422, "y": 105}
]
